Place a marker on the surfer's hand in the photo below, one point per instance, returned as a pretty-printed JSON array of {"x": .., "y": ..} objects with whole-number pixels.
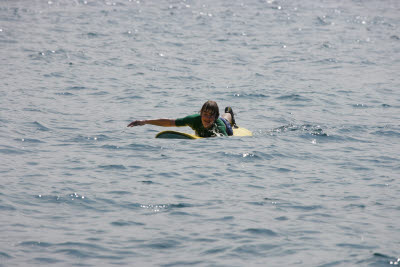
[{"x": 136, "y": 123}]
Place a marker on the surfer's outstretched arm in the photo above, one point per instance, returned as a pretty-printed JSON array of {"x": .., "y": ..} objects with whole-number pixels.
[{"x": 158, "y": 122}]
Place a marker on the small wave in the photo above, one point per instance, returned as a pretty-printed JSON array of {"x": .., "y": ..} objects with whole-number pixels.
[
  {"x": 322, "y": 21},
  {"x": 120, "y": 193},
  {"x": 355, "y": 206},
  {"x": 254, "y": 250},
  {"x": 181, "y": 213},
  {"x": 7, "y": 207},
  {"x": 222, "y": 219},
  {"x": 216, "y": 250},
  {"x": 4, "y": 255},
  {"x": 46, "y": 260},
  {"x": 78, "y": 253},
  {"x": 306, "y": 207},
  {"x": 360, "y": 106},
  {"x": 111, "y": 147},
  {"x": 247, "y": 156},
  {"x": 74, "y": 199},
  {"x": 386, "y": 133},
  {"x": 251, "y": 95},
  {"x": 147, "y": 182},
  {"x": 379, "y": 259},
  {"x": 112, "y": 167},
  {"x": 281, "y": 59},
  {"x": 54, "y": 74},
  {"x": 182, "y": 263},
  {"x": 355, "y": 246},
  {"x": 76, "y": 88},
  {"x": 294, "y": 97},
  {"x": 329, "y": 63},
  {"x": 32, "y": 109},
  {"x": 72, "y": 196},
  {"x": 186, "y": 78},
  {"x": 143, "y": 147},
  {"x": 128, "y": 99},
  {"x": 283, "y": 170},
  {"x": 181, "y": 205},
  {"x": 35, "y": 244},
  {"x": 87, "y": 139},
  {"x": 296, "y": 206},
  {"x": 40, "y": 127},
  {"x": 30, "y": 140},
  {"x": 92, "y": 35},
  {"x": 99, "y": 93},
  {"x": 260, "y": 231},
  {"x": 163, "y": 244},
  {"x": 81, "y": 245},
  {"x": 315, "y": 130},
  {"x": 154, "y": 208},
  {"x": 121, "y": 223},
  {"x": 65, "y": 94},
  {"x": 169, "y": 174},
  {"x": 7, "y": 150}
]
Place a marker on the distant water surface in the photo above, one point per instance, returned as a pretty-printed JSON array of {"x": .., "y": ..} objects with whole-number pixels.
[{"x": 316, "y": 81}]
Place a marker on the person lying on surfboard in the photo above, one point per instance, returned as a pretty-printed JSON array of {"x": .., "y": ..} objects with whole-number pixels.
[{"x": 206, "y": 124}]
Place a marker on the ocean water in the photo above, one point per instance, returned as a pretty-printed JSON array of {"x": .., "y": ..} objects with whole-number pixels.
[{"x": 316, "y": 81}]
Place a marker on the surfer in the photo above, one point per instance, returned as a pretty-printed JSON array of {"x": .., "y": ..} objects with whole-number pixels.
[{"x": 206, "y": 124}]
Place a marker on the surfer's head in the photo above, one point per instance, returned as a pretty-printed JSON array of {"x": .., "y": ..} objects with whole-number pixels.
[{"x": 209, "y": 113}]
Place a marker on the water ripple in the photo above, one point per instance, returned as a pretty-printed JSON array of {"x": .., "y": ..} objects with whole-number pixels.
[
  {"x": 260, "y": 232},
  {"x": 126, "y": 223}
]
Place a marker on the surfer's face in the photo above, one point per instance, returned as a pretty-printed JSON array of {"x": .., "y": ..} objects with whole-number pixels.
[{"x": 207, "y": 118}]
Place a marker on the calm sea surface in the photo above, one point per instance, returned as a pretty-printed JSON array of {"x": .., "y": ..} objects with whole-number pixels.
[{"x": 316, "y": 81}]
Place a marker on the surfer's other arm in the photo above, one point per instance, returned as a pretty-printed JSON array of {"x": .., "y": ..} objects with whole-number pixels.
[{"x": 158, "y": 122}]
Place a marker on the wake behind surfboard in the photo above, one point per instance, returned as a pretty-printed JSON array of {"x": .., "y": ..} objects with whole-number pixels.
[{"x": 179, "y": 135}]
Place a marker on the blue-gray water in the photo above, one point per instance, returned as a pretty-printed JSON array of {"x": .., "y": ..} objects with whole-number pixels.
[{"x": 316, "y": 81}]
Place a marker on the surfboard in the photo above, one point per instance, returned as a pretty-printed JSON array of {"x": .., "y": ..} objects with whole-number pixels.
[{"x": 240, "y": 131}]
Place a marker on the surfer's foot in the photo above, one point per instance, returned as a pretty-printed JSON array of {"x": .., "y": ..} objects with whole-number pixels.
[{"x": 230, "y": 111}]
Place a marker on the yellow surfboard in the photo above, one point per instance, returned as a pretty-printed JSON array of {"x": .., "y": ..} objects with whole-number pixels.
[{"x": 240, "y": 131}]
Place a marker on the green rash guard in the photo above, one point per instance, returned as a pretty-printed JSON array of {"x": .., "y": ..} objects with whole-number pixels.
[{"x": 194, "y": 122}]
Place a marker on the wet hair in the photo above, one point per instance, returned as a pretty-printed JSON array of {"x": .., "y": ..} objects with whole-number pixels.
[{"x": 212, "y": 107}]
